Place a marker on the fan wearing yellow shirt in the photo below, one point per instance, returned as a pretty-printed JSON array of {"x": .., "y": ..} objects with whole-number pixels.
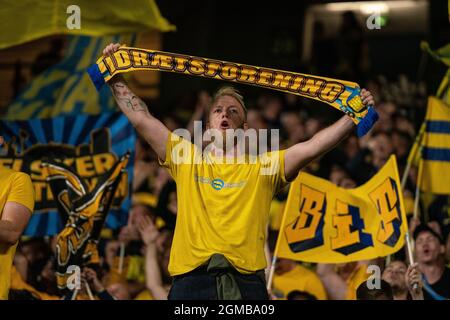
[
  {"x": 223, "y": 199},
  {"x": 342, "y": 280},
  {"x": 290, "y": 276},
  {"x": 16, "y": 206}
]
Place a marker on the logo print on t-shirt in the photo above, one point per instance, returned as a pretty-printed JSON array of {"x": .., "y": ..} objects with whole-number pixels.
[{"x": 217, "y": 184}]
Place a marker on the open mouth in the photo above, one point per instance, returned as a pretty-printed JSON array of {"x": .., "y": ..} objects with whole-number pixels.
[{"x": 224, "y": 125}]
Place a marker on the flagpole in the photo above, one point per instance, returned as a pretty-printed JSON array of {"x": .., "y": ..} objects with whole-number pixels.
[
  {"x": 388, "y": 260},
  {"x": 409, "y": 247},
  {"x": 88, "y": 289},
  {"x": 275, "y": 253},
  {"x": 272, "y": 271},
  {"x": 74, "y": 295},
  {"x": 410, "y": 254}
]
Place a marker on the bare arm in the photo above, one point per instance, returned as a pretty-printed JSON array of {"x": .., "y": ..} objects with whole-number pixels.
[
  {"x": 153, "y": 278},
  {"x": 335, "y": 286},
  {"x": 14, "y": 220},
  {"x": 299, "y": 155},
  {"x": 153, "y": 130},
  {"x": 153, "y": 275}
]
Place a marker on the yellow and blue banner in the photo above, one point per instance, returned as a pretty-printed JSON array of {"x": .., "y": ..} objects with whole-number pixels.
[
  {"x": 340, "y": 94},
  {"x": 65, "y": 88},
  {"x": 324, "y": 223},
  {"x": 26, "y": 20},
  {"x": 89, "y": 145},
  {"x": 435, "y": 175}
]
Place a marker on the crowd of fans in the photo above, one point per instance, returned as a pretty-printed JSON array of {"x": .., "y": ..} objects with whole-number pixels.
[{"x": 134, "y": 259}]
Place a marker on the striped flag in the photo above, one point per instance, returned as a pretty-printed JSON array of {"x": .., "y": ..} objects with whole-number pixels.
[{"x": 436, "y": 148}]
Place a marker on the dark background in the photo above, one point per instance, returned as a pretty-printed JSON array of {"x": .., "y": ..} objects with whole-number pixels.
[{"x": 270, "y": 34}]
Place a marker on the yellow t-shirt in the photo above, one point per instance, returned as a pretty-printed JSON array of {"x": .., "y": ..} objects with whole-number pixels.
[
  {"x": 276, "y": 214},
  {"x": 222, "y": 208},
  {"x": 14, "y": 187},
  {"x": 18, "y": 283},
  {"x": 358, "y": 276},
  {"x": 300, "y": 278},
  {"x": 144, "y": 295}
]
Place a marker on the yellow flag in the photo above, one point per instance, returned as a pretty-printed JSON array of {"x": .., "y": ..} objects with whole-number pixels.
[
  {"x": 436, "y": 148},
  {"x": 327, "y": 224},
  {"x": 26, "y": 20}
]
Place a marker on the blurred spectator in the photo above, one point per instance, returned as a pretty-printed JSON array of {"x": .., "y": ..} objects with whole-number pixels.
[
  {"x": 401, "y": 143},
  {"x": 372, "y": 158},
  {"x": 168, "y": 205},
  {"x": 271, "y": 107},
  {"x": 342, "y": 280},
  {"x": 414, "y": 281},
  {"x": 89, "y": 277},
  {"x": 37, "y": 254},
  {"x": 119, "y": 290},
  {"x": 201, "y": 107},
  {"x": 384, "y": 292},
  {"x": 312, "y": 126},
  {"x": 290, "y": 276},
  {"x": 255, "y": 119},
  {"x": 351, "y": 147},
  {"x": 300, "y": 295},
  {"x": 293, "y": 128},
  {"x": 430, "y": 250},
  {"x": 395, "y": 275},
  {"x": 154, "y": 281}
]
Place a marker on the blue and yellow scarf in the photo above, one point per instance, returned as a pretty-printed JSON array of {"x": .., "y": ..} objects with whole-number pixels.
[{"x": 340, "y": 94}]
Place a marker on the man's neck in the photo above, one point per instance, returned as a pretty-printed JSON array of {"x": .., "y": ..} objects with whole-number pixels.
[{"x": 433, "y": 271}]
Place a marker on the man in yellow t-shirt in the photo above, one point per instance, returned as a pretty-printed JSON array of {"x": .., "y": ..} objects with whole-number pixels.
[
  {"x": 342, "y": 280},
  {"x": 223, "y": 192},
  {"x": 290, "y": 276},
  {"x": 16, "y": 206}
]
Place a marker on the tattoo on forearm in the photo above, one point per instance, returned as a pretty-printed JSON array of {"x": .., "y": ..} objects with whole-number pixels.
[{"x": 129, "y": 100}]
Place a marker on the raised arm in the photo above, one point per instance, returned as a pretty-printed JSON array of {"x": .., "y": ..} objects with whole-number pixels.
[
  {"x": 153, "y": 278},
  {"x": 299, "y": 155},
  {"x": 153, "y": 130},
  {"x": 335, "y": 286}
]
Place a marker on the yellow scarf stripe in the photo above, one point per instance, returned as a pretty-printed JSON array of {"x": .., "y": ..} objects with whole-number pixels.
[{"x": 342, "y": 95}]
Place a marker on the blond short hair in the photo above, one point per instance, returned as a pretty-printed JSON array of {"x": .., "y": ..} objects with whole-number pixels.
[{"x": 232, "y": 92}]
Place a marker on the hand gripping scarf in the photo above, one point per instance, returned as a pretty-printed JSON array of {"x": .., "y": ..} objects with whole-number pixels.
[{"x": 342, "y": 95}]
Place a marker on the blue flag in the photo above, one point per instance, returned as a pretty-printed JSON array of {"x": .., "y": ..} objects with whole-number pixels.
[{"x": 90, "y": 145}]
